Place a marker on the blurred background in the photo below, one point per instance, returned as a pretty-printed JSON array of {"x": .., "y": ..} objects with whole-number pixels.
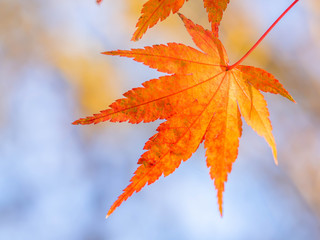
[{"x": 57, "y": 181}]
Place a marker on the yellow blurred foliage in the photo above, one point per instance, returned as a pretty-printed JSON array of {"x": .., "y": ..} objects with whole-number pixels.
[
  {"x": 24, "y": 35},
  {"x": 94, "y": 79},
  {"x": 313, "y": 13}
]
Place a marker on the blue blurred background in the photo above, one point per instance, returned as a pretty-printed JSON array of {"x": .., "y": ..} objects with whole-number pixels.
[{"x": 57, "y": 181}]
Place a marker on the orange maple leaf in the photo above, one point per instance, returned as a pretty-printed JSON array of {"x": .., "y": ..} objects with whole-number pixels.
[
  {"x": 202, "y": 100},
  {"x": 155, "y": 10}
]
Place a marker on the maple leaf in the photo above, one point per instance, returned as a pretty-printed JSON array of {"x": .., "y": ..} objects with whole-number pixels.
[
  {"x": 155, "y": 10},
  {"x": 202, "y": 100},
  {"x": 158, "y": 10}
]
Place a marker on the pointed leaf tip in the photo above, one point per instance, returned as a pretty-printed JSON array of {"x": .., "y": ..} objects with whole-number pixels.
[
  {"x": 75, "y": 122},
  {"x": 274, "y": 153},
  {"x": 82, "y": 121},
  {"x": 220, "y": 201},
  {"x": 276, "y": 160},
  {"x": 220, "y": 210}
]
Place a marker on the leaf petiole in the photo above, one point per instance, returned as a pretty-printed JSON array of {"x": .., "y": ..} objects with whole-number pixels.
[{"x": 262, "y": 37}]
